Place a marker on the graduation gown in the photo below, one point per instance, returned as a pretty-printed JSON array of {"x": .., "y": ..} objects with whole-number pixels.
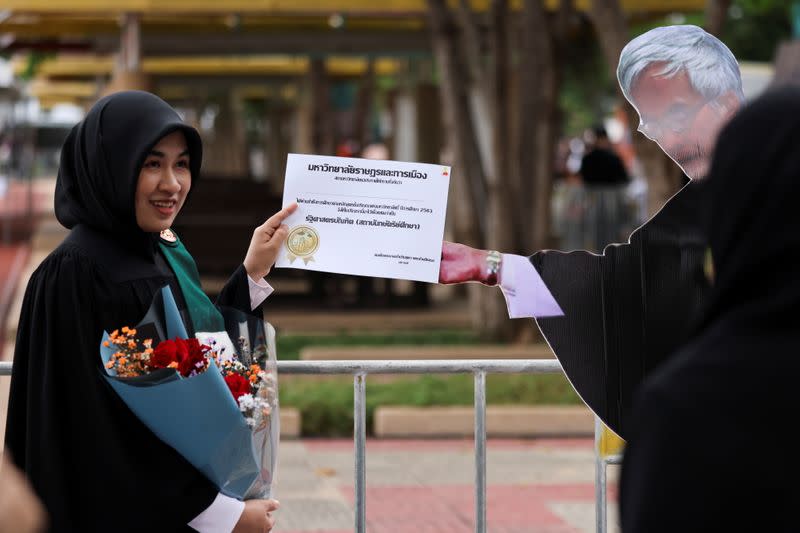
[
  {"x": 625, "y": 311},
  {"x": 709, "y": 446},
  {"x": 92, "y": 462}
]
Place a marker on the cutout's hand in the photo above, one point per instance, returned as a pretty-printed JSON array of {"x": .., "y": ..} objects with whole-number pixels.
[
  {"x": 266, "y": 243},
  {"x": 461, "y": 263}
]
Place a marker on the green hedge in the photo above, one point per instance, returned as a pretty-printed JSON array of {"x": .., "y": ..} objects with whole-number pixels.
[
  {"x": 289, "y": 346},
  {"x": 326, "y": 404}
]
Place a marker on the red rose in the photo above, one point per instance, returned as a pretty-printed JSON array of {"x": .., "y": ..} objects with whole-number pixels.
[
  {"x": 238, "y": 385},
  {"x": 195, "y": 348},
  {"x": 181, "y": 349},
  {"x": 164, "y": 354},
  {"x": 195, "y": 359}
]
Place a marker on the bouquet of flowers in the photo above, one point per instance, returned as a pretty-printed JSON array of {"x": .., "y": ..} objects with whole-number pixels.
[{"x": 214, "y": 402}]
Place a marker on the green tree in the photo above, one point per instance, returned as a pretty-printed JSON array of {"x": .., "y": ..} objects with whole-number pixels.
[{"x": 755, "y": 28}]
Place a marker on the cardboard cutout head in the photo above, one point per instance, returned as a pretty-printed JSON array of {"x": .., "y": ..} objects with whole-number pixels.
[{"x": 685, "y": 84}]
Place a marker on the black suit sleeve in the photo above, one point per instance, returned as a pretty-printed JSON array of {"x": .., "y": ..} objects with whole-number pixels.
[{"x": 236, "y": 294}]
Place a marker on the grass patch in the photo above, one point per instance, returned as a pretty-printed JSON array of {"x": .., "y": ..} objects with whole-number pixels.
[
  {"x": 289, "y": 346},
  {"x": 326, "y": 405}
]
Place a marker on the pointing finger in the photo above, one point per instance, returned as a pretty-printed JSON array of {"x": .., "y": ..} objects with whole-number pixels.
[{"x": 275, "y": 220}]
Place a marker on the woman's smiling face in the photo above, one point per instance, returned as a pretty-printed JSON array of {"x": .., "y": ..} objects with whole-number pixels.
[{"x": 164, "y": 182}]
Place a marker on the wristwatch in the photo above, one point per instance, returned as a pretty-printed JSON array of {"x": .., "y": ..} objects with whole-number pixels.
[{"x": 493, "y": 261}]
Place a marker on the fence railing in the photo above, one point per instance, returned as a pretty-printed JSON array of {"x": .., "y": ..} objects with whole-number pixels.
[
  {"x": 479, "y": 368},
  {"x": 602, "y": 460}
]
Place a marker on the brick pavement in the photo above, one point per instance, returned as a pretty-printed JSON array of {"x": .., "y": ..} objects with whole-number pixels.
[
  {"x": 426, "y": 486},
  {"x": 21, "y": 205}
]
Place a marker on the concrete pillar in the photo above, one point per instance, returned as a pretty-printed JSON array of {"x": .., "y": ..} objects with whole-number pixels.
[
  {"x": 417, "y": 124},
  {"x": 128, "y": 73},
  {"x": 276, "y": 144},
  {"x": 321, "y": 118},
  {"x": 429, "y": 123},
  {"x": 301, "y": 117},
  {"x": 226, "y": 150},
  {"x": 416, "y": 136},
  {"x": 130, "y": 52},
  {"x": 405, "y": 126}
]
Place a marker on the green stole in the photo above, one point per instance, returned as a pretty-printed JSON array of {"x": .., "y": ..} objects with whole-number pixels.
[{"x": 202, "y": 311}]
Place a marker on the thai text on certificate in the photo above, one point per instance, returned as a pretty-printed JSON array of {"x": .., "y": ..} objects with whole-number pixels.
[{"x": 365, "y": 217}]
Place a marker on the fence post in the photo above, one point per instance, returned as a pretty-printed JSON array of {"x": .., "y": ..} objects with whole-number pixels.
[
  {"x": 600, "y": 487},
  {"x": 480, "y": 451},
  {"x": 360, "y": 437}
]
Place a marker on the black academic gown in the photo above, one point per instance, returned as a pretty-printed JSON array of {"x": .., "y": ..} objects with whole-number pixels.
[
  {"x": 710, "y": 445},
  {"x": 625, "y": 311},
  {"x": 92, "y": 462}
]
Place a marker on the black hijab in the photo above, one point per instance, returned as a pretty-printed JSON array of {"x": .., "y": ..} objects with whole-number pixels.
[
  {"x": 103, "y": 155},
  {"x": 754, "y": 186}
]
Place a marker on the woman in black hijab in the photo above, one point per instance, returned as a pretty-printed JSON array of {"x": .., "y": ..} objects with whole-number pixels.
[
  {"x": 125, "y": 172},
  {"x": 709, "y": 449}
]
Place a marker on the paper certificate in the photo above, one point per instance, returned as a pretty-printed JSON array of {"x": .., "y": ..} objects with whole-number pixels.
[{"x": 365, "y": 217}]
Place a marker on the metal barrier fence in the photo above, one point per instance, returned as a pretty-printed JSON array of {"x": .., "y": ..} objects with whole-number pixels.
[
  {"x": 602, "y": 460},
  {"x": 479, "y": 368}
]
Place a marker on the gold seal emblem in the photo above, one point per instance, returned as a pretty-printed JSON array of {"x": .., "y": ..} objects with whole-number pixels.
[
  {"x": 168, "y": 236},
  {"x": 302, "y": 242}
]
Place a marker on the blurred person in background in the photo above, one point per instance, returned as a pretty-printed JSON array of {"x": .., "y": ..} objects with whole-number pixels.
[
  {"x": 605, "y": 178},
  {"x": 568, "y": 206}
]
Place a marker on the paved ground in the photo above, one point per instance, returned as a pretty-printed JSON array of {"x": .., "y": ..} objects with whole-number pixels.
[{"x": 427, "y": 486}]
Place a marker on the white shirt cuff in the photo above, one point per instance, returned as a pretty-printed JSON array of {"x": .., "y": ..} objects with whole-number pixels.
[
  {"x": 526, "y": 294},
  {"x": 221, "y": 516},
  {"x": 259, "y": 290}
]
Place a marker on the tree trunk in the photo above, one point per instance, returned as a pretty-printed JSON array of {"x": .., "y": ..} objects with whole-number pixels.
[
  {"x": 480, "y": 84},
  {"x": 484, "y": 95},
  {"x": 662, "y": 174},
  {"x": 716, "y": 14},
  {"x": 491, "y": 311},
  {"x": 454, "y": 93},
  {"x": 471, "y": 42},
  {"x": 500, "y": 227},
  {"x": 538, "y": 130},
  {"x": 611, "y": 28}
]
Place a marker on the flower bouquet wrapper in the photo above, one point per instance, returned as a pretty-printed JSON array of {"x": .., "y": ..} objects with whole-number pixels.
[{"x": 198, "y": 415}]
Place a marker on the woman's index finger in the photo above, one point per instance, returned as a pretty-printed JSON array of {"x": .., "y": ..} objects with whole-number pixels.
[{"x": 277, "y": 219}]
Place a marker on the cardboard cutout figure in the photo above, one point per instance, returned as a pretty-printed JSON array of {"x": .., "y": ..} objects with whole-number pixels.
[{"x": 612, "y": 318}]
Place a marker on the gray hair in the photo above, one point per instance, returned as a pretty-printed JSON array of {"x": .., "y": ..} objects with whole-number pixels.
[{"x": 709, "y": 64}]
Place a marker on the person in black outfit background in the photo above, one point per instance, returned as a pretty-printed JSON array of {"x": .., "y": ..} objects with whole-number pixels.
[
  {"x": 604, "y": 175},
  {"x": 708, "y": 448}
]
